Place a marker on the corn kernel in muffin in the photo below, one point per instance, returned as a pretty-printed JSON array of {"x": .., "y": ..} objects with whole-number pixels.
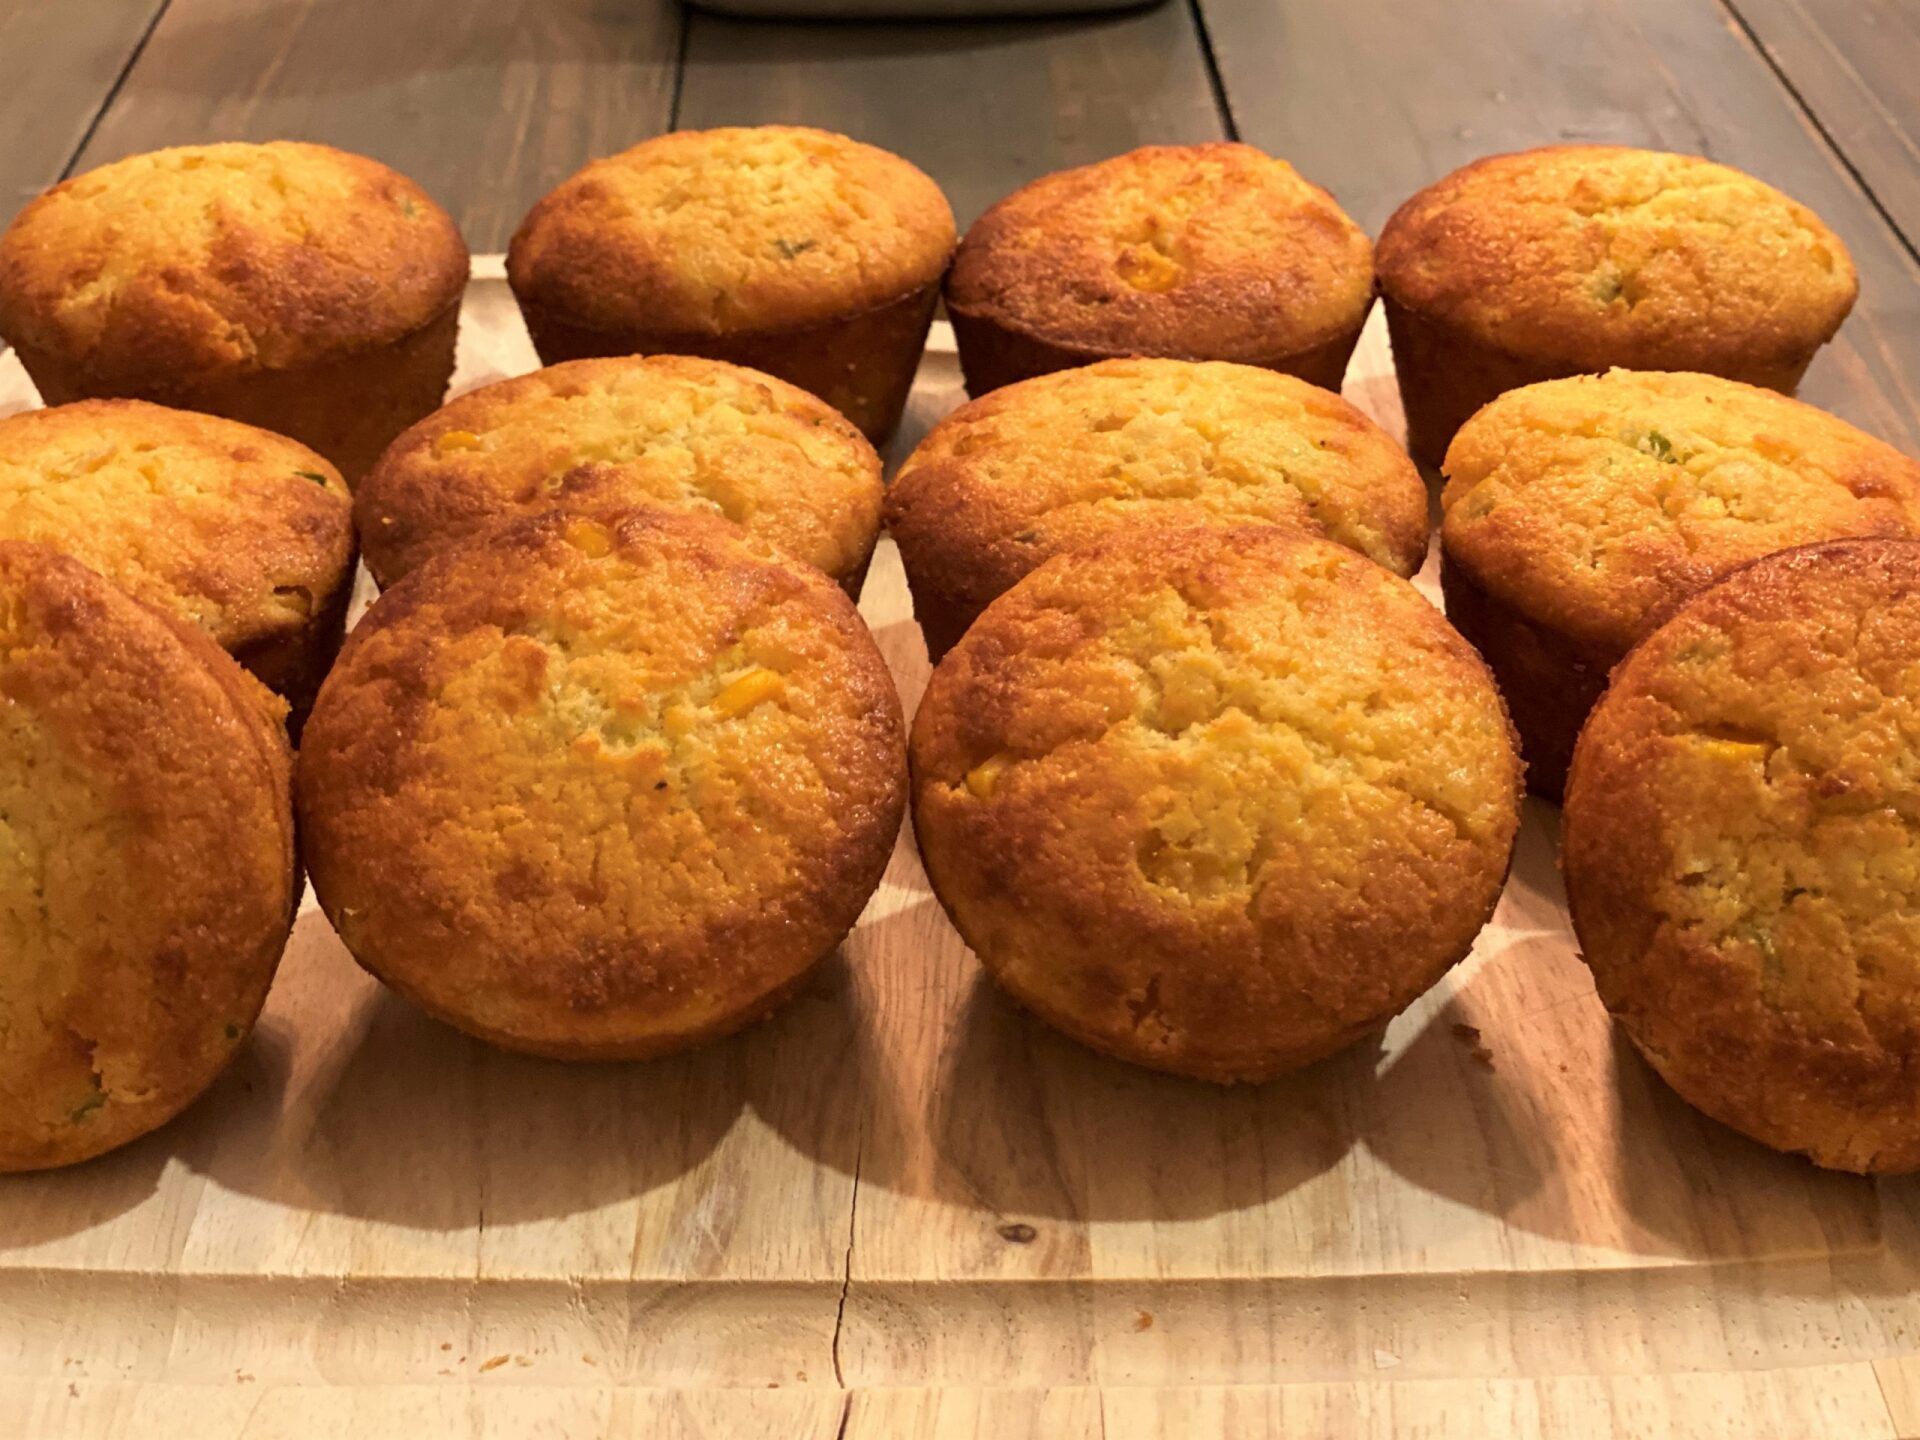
[
  {"x": 1577, "y": 258},
  {"x": 1195, "y": 252},
  {"x": 664, "y": 430},
  {"x": 1217, "y": 801},
  {"x": 794, "y": 251},
  {"x": 147, "y": 880},
  {"x": 1740, "y": 852},
  {"x": 1578, "y": 511},
  {"x": 1062, "y": 460},
  {"x": 604, "y": 786},
  {"x": 244, "y": 533},
  {"x": 295, "y": 287}
]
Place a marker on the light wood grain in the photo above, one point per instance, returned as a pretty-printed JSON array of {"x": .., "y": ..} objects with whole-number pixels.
[
  {"x": 1492, "y": 1221},
  {"x": 1828, "y": 1401}
]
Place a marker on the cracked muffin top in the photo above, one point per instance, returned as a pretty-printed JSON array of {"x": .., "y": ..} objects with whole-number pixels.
[
  {"x": 1595, "y": 504},
  {"x": 707, "y": 232},
  {"x": 662, "y": 430},
  {"x": 230, "y": 257},
  {"x": 605, "y": 785},
  {"x": 242, "y": 532},
  {"x": 1214, "y": 252},
  {"x": 1595, "y": 255},
  {"x": 1739, "y": 843},
  {"x": 146, "y": 860},
  {"x": 1218, "y": 800},
  {"x": 1048, "y": 464}
]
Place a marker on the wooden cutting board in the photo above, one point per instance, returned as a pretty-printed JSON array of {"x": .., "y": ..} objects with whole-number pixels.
[{"x": 901, "y": 1208}]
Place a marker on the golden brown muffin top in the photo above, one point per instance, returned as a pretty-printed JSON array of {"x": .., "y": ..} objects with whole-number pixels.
[
  {"x": 1059, "y": 461},
  {"x": 1205, "y": 252},
  {"x": 664, "y": 430},
  {"x": 1739, "y": 840},
  {"x": 601, "y": 777},
  {"x": 1225, "y": 794},
  {"x": 226, "y": 257},
  {"x": 708, "y": 232},
  {"x": 146, "y": 859},
  {"x": 1596, "y": 503},
  {"x": 1594, "y": 255},
  {"x": 242, "y": 532}
]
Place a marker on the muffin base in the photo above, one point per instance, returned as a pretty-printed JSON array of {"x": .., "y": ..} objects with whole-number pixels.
[
  {"x": 642, "y": 1047},
  {"x": 349, "y": 408},
  {"x": 941, "y": 622},
  {"x": 1550, "y": 681},
  {"x": 993, "y": 354},
  {"x": 293, "y": 665},
  {"x": 1446, "y": 375},
  {"x": 862, "y": 364}
]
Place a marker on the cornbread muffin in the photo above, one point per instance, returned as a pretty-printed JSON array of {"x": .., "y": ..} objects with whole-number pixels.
[
  {"x": 1196, "y": 252},
  {"x": 664, "y": 430},
  {"x": 296, "y": 287},
  {"x": 798, "y": 252},
  {"x": 1740, "y": 857},
  {"x": 1574, "y": 258},
  {"x": 1218, "y": 801},
  {"x": 1062, "y": 460},
  {"x": 244, "y": 533},
  {"x": 147, "y": 879},
  {"x": 1579, "y": 511},
  {"x": 604, "y": 786}
]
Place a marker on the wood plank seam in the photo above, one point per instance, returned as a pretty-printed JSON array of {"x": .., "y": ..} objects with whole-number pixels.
[
  {"x": 1228, "y": 125},
  {"x": 846, "y": 1274},
  {"x": 1880, "y": 1384},
  {"x": 680, "y": 69},
  {"x": 113, "y": 91},
  {"x": 1910, "y": 243}
]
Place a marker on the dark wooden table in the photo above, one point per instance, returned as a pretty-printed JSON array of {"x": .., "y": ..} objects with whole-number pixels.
[{"x": 490, "y": 104}]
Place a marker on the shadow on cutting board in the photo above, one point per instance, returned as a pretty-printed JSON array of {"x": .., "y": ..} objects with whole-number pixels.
[
  {"x": 1028, "y": 1121},
  {"x": 967, "y": 1102},
  {"x": 1520, "y": 1099},
  {"x": 1509, "y": 1097},
  {"x": 1568, "y": 1135},
  {"x": 238, "y": 1108},
  {"x": 401, "y": 1119}
]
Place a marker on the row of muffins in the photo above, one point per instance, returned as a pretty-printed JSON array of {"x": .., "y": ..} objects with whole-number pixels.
[
  {"x": 1104, "y": 768},
  {"x": 316, "y": 293},
  {"x": 545, "y": 760},
  {"x": 1576, "y": 512},
  {"x": 1202, "y": 693}
]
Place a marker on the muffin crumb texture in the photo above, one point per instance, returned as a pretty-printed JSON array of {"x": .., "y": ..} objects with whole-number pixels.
[
  {"x": 673, "y": 431},
  {"x": 1198, "y": 251},
  {"x": 1596, "y": 503},
  {"x": 146, "y": 860},
  {"x": 225, "y": 258},
  {"x": 1740, "y": 853},
  {"x": 707, "y": 232},
  {"x": 1219, "y": 801},
  {"x": 244, "y": 533},
  {"x": 604, "y": 786},
  {"x": 1593, "y": 255},
  {"x": 1063, "y": 460}
]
